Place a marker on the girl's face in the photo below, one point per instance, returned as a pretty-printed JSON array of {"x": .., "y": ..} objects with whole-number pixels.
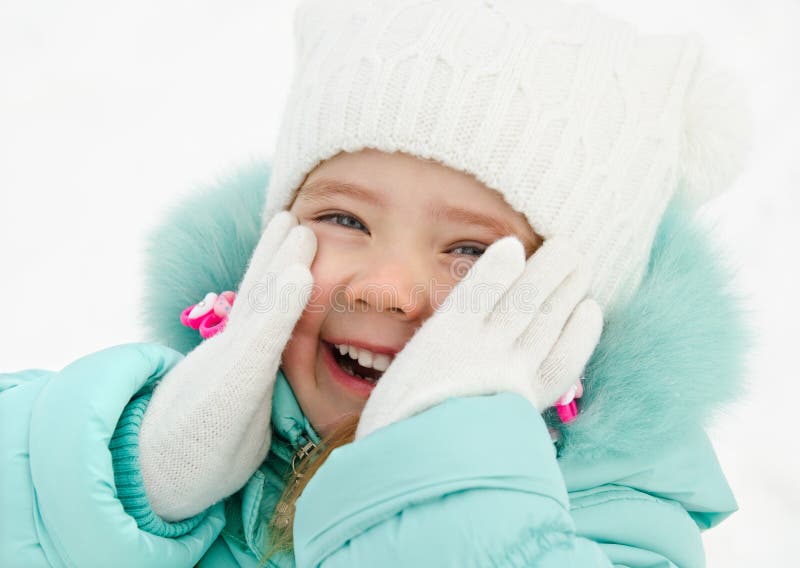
[{"x": 394, "y": 233}]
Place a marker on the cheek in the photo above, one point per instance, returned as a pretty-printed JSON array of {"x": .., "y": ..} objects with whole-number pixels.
[
  {"x": 326, "y": 278},
  {"x": 328, "y": 271},
  {"x": 300, "y": 354},
  {"x": 448, "y": 274}
]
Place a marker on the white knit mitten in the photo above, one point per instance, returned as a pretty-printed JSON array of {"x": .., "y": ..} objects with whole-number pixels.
[
  {"x": 207, "y": 427},
  {"x": 507, "y": 326}
]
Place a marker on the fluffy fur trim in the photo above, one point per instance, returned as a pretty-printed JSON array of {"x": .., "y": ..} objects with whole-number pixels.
[
  {"x": 670, "y": 358},
  {"x": 202, "y": 244}
]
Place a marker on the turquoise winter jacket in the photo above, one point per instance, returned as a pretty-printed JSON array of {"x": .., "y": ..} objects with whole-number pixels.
[{"x": 474, "y": 481}]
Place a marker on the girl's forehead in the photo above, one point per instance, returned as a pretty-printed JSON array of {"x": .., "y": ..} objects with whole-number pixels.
[
  {"x": 451, "y": 201},
  {"x": 381, "y": 177}
]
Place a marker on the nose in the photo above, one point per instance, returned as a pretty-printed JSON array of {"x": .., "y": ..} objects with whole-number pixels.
[{"x": 393, "y": 282}]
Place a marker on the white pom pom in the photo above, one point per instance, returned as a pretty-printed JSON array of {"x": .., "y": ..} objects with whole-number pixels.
[{"x": 717, "y": 132}]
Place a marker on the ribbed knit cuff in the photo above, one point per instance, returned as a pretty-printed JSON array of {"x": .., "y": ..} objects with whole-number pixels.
[{"x": 124, "y": 448}]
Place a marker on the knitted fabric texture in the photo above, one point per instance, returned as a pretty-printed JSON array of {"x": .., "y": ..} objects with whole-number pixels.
[{"x": 580, "y": 122}]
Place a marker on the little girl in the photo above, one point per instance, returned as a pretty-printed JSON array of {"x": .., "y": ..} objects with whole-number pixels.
[{"x": 480, "y": 326}]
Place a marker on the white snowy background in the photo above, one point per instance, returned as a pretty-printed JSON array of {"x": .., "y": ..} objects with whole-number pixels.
[{"x": 111, "y": 111}]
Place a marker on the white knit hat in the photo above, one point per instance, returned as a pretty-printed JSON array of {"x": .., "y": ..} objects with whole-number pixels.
[{"x": 582, "y": 124}]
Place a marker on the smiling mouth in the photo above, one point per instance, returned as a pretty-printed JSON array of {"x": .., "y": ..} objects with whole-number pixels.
[{"x": 352, "y": 367}]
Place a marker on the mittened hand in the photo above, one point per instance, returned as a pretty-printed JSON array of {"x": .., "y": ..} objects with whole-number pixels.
[
  {"x": 207, "y": 426},
  {"x": 507, "y": 326},
  {"x": 277, "y": 284}
]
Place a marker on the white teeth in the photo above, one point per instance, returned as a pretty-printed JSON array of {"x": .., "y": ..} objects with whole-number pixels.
[
  {"x": 380, "y": 362},
  {"x": 377, "y": 361},
  {"x": 365, "y": 358}
]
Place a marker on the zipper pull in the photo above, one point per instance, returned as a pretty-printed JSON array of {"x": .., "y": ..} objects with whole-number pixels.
[{"x": 303, "y": 452}]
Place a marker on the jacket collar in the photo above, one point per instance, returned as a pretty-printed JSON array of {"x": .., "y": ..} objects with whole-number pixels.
[{"x": 288, "y": 420}]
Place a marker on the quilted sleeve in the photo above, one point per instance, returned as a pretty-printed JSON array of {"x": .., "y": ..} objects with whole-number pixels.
[
  {"x": 57, "y": 464},
  {"x": 473, "y": 481},
  {"x": 19, "y": 543}
]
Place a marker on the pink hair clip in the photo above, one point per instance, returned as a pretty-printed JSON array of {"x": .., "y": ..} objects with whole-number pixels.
[
  {"x": 210, "y": 314},
  {"x": 566, "y": 406}
]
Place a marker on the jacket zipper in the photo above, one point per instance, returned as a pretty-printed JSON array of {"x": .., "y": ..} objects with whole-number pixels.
[{"x": 282, "y": 509}]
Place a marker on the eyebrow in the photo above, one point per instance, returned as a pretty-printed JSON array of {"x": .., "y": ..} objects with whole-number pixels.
[
  {"x": 461, "y": 215},
  {"x": 327, "y": 189}
]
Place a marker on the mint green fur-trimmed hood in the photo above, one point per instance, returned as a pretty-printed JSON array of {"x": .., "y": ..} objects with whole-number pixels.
[{"x": 670, "y": 359}]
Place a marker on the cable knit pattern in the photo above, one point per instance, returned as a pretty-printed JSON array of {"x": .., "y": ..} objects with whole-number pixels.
[{"x": 574, "y": 117}]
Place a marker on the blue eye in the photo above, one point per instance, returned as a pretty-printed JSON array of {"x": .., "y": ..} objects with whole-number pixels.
[
  {"x": 349, "y": 221},
  {"x": 479, "y": 250}
]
